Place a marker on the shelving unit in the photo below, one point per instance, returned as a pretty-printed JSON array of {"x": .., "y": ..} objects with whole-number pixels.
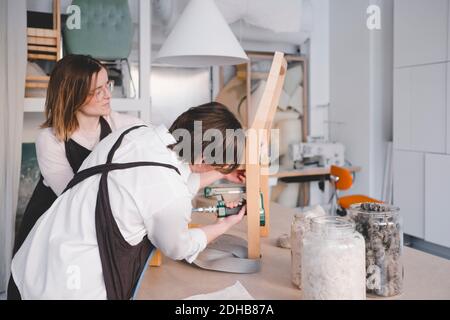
[
  {"x": 256, "y": 56},
  {"x": 141, "y": 104},
  {"x": 245, "y": 73}
]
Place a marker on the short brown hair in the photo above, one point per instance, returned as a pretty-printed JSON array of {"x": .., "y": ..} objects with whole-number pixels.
[
  {"x": 68, "y": 89},
  {"x": 216, "y": 116}
]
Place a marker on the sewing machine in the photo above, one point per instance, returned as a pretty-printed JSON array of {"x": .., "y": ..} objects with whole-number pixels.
[{"x": 322, "y": 154}]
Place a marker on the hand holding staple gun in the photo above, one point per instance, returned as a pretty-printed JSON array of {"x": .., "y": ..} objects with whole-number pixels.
[{"x": 223, "y": 209}]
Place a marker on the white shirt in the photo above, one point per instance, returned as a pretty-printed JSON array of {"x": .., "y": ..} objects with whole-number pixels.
[
  {"x": 60, "y": 257},
  {"x": 51, "y": 152}
]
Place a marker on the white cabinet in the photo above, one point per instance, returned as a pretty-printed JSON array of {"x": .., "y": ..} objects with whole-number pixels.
[
  {"x": 409, "y": 182},
  {"x": 437, "y": 199},
  {"x": 402, "y": 103},
  {"x": 448, "y": 107},
  {"x": 420, "y": 122},
  {"x": 420, "y": 31}
]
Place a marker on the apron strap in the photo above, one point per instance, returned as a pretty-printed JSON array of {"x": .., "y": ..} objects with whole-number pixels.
[{"x": 103, "y": 168}]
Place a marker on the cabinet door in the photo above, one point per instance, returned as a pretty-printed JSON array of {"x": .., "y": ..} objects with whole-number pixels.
[
  {"x": 448, "y": 108},
  {"x": 428, "y": 108},
  {"x": 402, "y": 110},
  {"x": 420, "y": 108},
  {"x": 420, "y": 31},
  {"x": 437, "y": 199},
  {"x": 409, "y": 176}
]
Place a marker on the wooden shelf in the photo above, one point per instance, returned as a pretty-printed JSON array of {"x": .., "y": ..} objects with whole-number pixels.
[
  {"x": 318, "y": 171},
  {"x": 117, "y": 104}
]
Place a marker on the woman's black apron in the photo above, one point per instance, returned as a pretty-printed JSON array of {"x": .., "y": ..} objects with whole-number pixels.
[
  {"x": 43, "y": 196},
  {"x": 122, "y": 263}
]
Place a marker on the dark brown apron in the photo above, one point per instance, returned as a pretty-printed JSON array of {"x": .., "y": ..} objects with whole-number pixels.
[
  {"x": 43, "y": 197},
  {"x": 122, "y": 263}
]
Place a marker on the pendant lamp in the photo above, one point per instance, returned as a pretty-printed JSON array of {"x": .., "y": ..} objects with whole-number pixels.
[{"x": 201, "y": 37}]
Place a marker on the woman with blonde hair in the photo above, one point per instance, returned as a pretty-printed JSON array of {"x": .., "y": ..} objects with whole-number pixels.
[{"x": 78, "y": 115}]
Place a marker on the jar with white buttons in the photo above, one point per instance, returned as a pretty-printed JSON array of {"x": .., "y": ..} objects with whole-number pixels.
[{"x": 333, "y": 260}]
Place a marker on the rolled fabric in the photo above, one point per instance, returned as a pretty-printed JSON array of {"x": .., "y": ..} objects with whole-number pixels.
[
  {"x": 294, "y": 78},
  {"x": 290, "y": 132},
  {"x": 283, "y": 104},
  {"x": 281, "y": 115},
  {"x": 296, "y": 100}
]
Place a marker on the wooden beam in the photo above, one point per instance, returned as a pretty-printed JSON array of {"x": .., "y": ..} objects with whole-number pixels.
[
  {"x": 57, "y": 26},
  {"x": 260, "y": 123}
]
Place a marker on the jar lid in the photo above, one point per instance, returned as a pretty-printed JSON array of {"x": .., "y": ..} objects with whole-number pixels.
[
  {"x": 375, "y": 209},
  {"x": 331, "y": 223}
]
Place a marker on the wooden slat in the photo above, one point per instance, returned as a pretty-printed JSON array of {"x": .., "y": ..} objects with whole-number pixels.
[
  {"x": 42, "y": 41},
  {"x": 37, "y": 78},
  {"x": 42, "y": 48},
  {"x": 242, "y": 74},
  {"x": 56, "y": 15},
  {"x": 42, "y": 56},
  {"x": 35, "y": 85},
  {"x": 44, "y": 33},
  {"x": 57, "y": 26}
]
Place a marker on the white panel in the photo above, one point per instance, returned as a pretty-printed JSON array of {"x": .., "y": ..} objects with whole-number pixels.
[
  {"x": 409, "y": 184},
  {"x": 402, "y": 112},
  {"x": 319, "y": 71},
  {"x": 350, "y": 120},
  {"x": 448, "y": 32},
  {"x": 448, "y": 107},
  {"x": 437, "y": 190},
  {"x": 174, "y": 90},
  {"x": 428, "y": 108},
  {"x": 420, "y": 32}
]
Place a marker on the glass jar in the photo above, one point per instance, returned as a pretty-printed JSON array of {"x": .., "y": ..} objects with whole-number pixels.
[
  {"x": 299, "y": 226},
  {"x": 333, "y": 260},
  {"x": 381, "y": 226},
  {"x": 297, "y": 231}
]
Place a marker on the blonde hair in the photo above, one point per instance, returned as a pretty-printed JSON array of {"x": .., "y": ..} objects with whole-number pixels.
[{"x": 68, "y": 89}]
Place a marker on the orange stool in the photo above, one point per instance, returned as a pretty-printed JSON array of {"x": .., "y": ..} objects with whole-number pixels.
[{"x": 342, "y": 179}]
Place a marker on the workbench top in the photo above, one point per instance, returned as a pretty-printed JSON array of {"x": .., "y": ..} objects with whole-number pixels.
[{"x": 426, "y": 276}]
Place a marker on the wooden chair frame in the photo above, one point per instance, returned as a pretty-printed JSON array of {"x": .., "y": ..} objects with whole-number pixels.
[{"x": 257, "y": 150}]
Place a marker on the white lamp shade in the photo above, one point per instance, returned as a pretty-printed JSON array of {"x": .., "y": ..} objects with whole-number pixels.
[{"x": 201, "y": 37}]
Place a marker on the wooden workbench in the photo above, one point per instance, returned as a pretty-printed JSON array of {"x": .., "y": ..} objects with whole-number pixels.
[{"x": 426, "y": 276}]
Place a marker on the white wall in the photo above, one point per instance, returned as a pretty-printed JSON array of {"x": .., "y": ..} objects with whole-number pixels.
[
  {"x": 174, "y": 90},
  {"x": 31, "y": 123},
  {"x": 361, "y": 84},
  {"x": 320, "y": 68},
  {"x": 382, "y": 82},
  {"x": 319, "y": 82}
]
